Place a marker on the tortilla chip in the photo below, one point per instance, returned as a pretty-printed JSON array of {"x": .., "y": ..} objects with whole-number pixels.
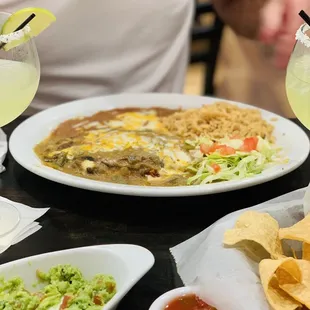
[
  {"x": 277, "y": 297},
  {"x": 294, "y": 253},
  {"x": 306, "y": 251},
  {"x": 289, "y": 272},
  {"x": 296, "y": 283},
  {"x": 258, "y": 227},
  {"x": 252, "y": 250},
  {"x": 300, "y": 231},
  {"x": 304, "y": 265}
]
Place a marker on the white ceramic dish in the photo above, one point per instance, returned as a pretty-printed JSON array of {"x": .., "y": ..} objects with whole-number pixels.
[
  {"x": 162, "y": 301},
  {"x": 126, "y": 263},
  {"x": 290, "y": 137}
]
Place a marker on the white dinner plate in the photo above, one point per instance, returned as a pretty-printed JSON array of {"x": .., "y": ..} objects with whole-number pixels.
[{"x": 289, "y": 136}]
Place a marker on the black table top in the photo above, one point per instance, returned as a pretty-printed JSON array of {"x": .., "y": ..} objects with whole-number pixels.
[{"x": 81, "y": 218}]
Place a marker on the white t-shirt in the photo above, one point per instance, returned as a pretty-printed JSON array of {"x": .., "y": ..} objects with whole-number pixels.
[{"x": 110, "y": 46}]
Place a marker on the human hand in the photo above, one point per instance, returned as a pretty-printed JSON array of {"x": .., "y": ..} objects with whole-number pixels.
[{"x": 279, "y": 22}]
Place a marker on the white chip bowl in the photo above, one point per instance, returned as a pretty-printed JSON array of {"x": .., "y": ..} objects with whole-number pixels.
[
  {"x": 162, "y": 301},
  {"x": 126, "y": 263}
]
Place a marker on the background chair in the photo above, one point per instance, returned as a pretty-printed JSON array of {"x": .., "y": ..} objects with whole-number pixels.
[{"x": 206, "y": 38}]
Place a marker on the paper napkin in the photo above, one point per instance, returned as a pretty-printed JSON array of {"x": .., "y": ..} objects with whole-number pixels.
[
  {"x": 26, "y": 226},
  {"x": 226, "y": 277}
]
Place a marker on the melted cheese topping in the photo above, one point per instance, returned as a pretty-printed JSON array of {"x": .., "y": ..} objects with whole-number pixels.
[
  {"x": 167, "y": 148},
  {"x": 130, "y": 121},
  {"x": 134, "y": 130},
  {"x": 137, "y": 121}
]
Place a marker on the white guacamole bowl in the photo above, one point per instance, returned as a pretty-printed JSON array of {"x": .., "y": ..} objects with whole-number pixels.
[{"x": 126, "y": 263}]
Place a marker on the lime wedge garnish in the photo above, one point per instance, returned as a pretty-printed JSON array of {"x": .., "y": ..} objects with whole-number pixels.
[{"x": 43, "y": 19}]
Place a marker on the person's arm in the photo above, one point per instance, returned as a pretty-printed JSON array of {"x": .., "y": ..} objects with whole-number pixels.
[
  {"x": 243, "y": 16},
  {"x": 279, "y": 23},
  {"x": 273, "y": 22}
]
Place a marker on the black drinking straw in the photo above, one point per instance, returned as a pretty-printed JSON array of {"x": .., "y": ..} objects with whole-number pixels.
[
  {"x": 24, "y": 24},
  {"x": 305, "y": 17}
]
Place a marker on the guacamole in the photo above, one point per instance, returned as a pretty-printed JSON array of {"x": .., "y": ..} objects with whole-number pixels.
[{"x": 64, "y": 288}]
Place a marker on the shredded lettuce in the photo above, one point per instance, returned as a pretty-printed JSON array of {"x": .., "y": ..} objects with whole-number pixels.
[{"x": 232, "y": 167}]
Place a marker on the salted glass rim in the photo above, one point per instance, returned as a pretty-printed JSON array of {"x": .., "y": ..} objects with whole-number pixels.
[
  {"x": 301, "y": 35},
  {"x": 14, "y": 35}
]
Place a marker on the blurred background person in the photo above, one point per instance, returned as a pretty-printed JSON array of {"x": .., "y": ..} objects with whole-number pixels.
[
  {"x": 255, "y": 46},
  {"x": 278, "y": 23},
  {"x": 107, "y": 47},
  {"x": 99, "y": 48}
]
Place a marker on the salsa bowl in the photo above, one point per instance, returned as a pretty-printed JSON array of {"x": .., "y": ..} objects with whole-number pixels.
[{"x": 182, "y": 298}]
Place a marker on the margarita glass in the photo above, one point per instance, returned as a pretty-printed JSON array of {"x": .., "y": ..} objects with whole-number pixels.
[
  {"x": 19, "y": 80},
  {"x": 19, "y": 77},
  {"x": 298, "y": 76}
]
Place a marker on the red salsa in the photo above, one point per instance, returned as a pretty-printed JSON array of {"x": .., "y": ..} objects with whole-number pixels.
[{"x": 188, "y": 302}]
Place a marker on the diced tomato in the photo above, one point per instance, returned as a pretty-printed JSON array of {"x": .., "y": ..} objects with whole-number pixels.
[
  {"x": 249, "y": 144},
  {"x": 226, "y": 150},
  {"x": 65, "y": 301},
  {"x": 214, "y": 147},
  {"x": 221, "y": 148},
  {"x": 98, "y": 301},
  {"x": 210, "y": 149},
  {"x": 204, "y": 149},
  {"x": 216, "y": 168}
]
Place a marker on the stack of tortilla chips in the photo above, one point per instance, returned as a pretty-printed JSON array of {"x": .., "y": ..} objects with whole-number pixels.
[{"x": 286, "y": 280}]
